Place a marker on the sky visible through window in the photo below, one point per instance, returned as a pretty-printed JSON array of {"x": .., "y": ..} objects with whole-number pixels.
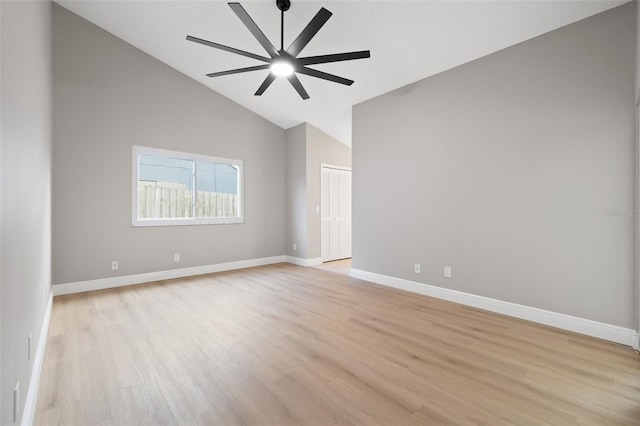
[{"x": 211, "y": 177}]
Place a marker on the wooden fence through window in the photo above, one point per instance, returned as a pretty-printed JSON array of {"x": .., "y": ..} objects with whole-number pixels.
[{"x": 158, "y": 201}]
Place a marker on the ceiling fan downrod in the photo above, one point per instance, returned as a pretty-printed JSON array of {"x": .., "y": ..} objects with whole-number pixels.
[{"x": 283, "y": 5}]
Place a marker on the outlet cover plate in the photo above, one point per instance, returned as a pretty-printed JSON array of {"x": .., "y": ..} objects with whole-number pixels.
[{"x": 447, "y": 271}]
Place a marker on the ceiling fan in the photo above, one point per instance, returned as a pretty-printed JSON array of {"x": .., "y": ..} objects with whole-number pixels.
[{"x": 285, "y": 63}]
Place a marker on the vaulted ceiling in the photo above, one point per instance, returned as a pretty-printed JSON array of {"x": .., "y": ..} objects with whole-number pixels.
[{"x": 409, "y": 41}]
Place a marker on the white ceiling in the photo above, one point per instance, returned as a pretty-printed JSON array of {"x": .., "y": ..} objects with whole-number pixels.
[{"x": 409, "y": 40}]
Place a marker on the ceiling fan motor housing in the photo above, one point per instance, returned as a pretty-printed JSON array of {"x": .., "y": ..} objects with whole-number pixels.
[{"x": 283, "y": 5}]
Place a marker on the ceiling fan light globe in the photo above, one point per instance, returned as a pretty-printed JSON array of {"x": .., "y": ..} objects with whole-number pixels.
[{"x": 282, "y": 68}]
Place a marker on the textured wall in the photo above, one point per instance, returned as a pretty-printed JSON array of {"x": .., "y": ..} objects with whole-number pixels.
[
  {"x": 25, "y": 189},
  {"x": 297, "y": 191},
  {"x": 321, "y": 149},
  {"x": 308, "y": 148},
  {"x": 109, "y": 96},
  {"x": 517, "y": 169}
]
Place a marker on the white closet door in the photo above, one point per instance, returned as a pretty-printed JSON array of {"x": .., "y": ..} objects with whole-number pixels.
[{"x": 336, "y": 213}]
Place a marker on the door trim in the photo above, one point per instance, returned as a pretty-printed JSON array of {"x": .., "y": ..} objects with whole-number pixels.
[
  {"x": 335, "y": 167},
  {"x": 331, "y": 166},
  {"x": 636, "y": 341}
]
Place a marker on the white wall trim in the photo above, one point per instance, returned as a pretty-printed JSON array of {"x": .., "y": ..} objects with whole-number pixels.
[
  {"x": 592, "y": 328},
  {"x": 104, "y": 283},
  {"x": 32, "y": 393},
  {"x": 304, "y": 262}
]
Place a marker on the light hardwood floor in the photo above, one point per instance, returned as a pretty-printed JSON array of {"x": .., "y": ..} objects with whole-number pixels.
[
  {"x": 282, "y": 344},
  {"x": 342, "y": 266}
]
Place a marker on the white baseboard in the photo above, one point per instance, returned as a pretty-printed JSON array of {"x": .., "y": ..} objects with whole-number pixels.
[
  {"x": 104, "y": 283},
  {"x": 32, "y": 394},
  {"x": 304, "y": 262},
  {"x": 613, "y": 333}
]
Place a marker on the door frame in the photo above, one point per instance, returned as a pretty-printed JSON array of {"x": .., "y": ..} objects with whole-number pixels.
[
  {"x": 636, "y": 338},
  {"x": 333, "y": 166}
]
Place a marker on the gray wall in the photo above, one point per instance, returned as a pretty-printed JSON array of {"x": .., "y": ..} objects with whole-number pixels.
[
  {"x": 321, "y": 148},
  {"x": 307, "y": 148},
  {"x": 637, "y": 54},
  {"x": 25, "y": 190},
  {"x": 297, "y": 191},
  {"x": 503, "y": 168},
  {"x": 109, "y": 96},
  {"x": 637, "y": 259}
]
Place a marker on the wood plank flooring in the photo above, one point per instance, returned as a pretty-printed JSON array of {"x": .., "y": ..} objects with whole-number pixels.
[
  {"x": 286, "y": 345},
  {"x": 342, "y": 266}
]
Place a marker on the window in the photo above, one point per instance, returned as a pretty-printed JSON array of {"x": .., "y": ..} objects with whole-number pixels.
[{"x": 176, "y": 188}]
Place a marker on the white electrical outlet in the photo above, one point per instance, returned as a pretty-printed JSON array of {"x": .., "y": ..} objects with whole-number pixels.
[
  {"x": 29, "y": 347},
  {"x": 447, "y": 271},
  {"x": 114, "y": 265},
  {"x": 295, "y": 247},
  {"x": 416, "y": 268},
  {"x": 176, "y": 257},
  {"x": 16, "y": 402}
]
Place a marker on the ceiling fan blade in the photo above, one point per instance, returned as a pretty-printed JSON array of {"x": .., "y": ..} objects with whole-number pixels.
[
  {"x": 324, "y": 75},
  {"x": 265, "y": 84},
  {"x": 309, "y": 31},
  {"x": 253, "y": 27},
  {"x": 293, "y": 79},
  {"x": 227, "y": 48},
  {"x": 239, "y": 70},
  {"x": 337, "y": 57}
]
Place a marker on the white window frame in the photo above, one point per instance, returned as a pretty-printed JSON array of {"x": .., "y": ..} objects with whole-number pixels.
[{"x": 143, "y": 150}]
